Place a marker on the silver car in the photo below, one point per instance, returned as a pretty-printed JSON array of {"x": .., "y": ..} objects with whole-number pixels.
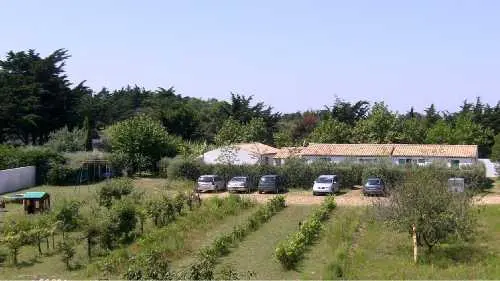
[
  {"x": 239, "y": 184},
  {"x": 210, "y": 183}
]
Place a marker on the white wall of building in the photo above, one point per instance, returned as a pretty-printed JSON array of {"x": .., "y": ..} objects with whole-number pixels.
[
  {"x": 428, "y": 160},
  {"x": 15, "y": 179},
  {"x": 238, "y": 157}
]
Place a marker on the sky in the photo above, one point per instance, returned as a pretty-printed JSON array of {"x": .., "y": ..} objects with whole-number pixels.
[{"x": 293, "y": 55}]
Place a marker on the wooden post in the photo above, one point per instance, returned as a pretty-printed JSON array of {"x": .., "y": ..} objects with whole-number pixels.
[{"x": 415, "y": 245}]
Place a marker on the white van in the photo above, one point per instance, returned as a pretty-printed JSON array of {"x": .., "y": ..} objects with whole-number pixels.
[
  {"x": 326, "y": 184},
  {"x": 210, "y": 183}
]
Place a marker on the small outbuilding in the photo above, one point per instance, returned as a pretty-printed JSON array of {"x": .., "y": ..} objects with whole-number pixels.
[
  {"x": 36, "y": 202},
  {"x": 456, "y": 184}
]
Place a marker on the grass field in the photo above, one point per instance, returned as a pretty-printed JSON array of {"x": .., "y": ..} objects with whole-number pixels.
[{"x": 351, "y": 246}]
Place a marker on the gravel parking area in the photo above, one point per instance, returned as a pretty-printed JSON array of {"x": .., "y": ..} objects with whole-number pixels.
[{"x": 350, "y": 198}]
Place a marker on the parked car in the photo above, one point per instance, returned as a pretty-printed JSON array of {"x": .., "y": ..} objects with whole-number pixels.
[
  {"x": 210, "y": 183},
  {"x": 271, "y": 183},
  {"x": 326, "y": 184},
  {"x": 374, "y": 186},
  {"x": 240, "y": 184}
]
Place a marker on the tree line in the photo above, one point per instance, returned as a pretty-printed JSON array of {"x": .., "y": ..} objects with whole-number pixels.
[{"x": 38, "y": 99}]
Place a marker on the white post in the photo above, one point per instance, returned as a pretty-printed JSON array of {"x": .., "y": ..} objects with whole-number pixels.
[{"x": 415, "y": 245}]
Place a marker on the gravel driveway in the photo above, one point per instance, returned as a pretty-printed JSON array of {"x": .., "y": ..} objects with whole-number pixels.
[{"x": 351, "y": 198}]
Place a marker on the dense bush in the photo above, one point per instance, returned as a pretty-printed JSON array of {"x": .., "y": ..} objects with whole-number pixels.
[
  {"x": 180, "y": 168},
  {"x": 65, "y": 140},
  {"x": 40, "y": 157},
  {"x": 289, "y": 252},
  {"x": 114, "y": 190},
  {"x": 60, "y": 174}
]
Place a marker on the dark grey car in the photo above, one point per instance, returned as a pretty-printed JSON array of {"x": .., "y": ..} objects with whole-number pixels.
[
  {"x": 271, "y": 183},
  {"x": 374, "y": 186}
]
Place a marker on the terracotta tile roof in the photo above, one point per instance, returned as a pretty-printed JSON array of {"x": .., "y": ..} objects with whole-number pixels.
[
  {"x": 323, "y": 149},
  {"x": 257, "y": 148},
  {"x": 435, "y": 150},
  {"x": 287, "y": 152}
]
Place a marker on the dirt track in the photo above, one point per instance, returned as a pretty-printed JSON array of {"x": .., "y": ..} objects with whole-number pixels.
[{"x": 351, "y": 198}]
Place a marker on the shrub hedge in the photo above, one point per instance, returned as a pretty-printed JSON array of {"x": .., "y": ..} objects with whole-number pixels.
[
  {"x": 290, "y": 251},
  {"x": 42, "y": 158},
  {"x": 299, "y": 174}
]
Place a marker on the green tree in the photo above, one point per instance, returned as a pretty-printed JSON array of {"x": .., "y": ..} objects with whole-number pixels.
[
  {"x": 231, "y": 132},
  {"x": 67, "y": 249},
  {"x": 378, "y": 127},
  {"x": 331, "y": 130},
  {"x": 410, "y": 130},
  {"x": 235, "y": 132},
  {"x": 36, "y": 96},
  {"x": 348, "y": 113},
  {"x": 466, "y": 131},
  {"x": 495, "y": 150},
  {"x": 175, "y": 113},
  {"x": 39, "y": 231},
  {"x": 440, "y": 133},
  {"x": 88, "y": 134},
  {"x": 431, "y": 116},
  {"x": 68, "y": 215},
  {"x": 141, "y": 137},
  {"x": 424, "y": 201}
]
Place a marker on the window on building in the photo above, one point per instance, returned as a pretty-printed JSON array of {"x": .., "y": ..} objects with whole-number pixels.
[
  {"x": 421, "y": 161},
  {"x": 326, "y": 159},
  {"x": 277, "y": 162},
  {"x": 455, "y": 163},
  {"x": 402, "y": 161}
]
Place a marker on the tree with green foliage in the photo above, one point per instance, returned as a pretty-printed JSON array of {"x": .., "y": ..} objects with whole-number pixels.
[
  {"x": 68, "y": 215},
  {"x": 91, "y": 229},
  {"x": 495, "y": 150},
  {"x": 410, "y": 130},
  {"x": 347, "y": 112},
  {"x": 466, "y": 131},
  {"x": 424, "y": 201},
  {"x": 36, "y": 96},
  {"x": 39, "y": 231},
  {"x": 88, "y": 134},
  {"x": 439, "y": 133},
  {"x": 142, "y": 138},
  {"x": 67, "y": 249},
  {"x": 15, "y": 235},
  {"x": 378, "y": 127},
  {"x": 330, "y": 130},
  {"x": 235, "y": 132}
]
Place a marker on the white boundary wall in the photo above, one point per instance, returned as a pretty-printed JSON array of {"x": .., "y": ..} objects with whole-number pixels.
[
  {"x": 490, "y": 168},
  {"x": 16, "y": 179}
]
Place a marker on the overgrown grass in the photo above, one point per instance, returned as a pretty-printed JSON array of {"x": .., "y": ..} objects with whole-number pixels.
[
  {"x": 256, "y": 252},
  {"x": 326, "y": 260},
  {"x": 384, "y": 254},
  {"x": 49, "y": 264},
  {"x": 176, "y": 239}
]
